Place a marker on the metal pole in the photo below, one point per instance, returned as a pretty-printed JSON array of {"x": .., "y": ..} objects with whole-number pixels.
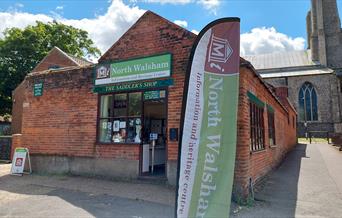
[
  {"x": 153, "y": 146},
  {"x": 310, "y": 136}
]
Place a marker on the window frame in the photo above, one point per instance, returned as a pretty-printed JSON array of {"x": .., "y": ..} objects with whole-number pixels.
[
  {"x": 98, "y": 118},
  {"x": 112, "y": 117},
  {"x": 257, "y": 127},
  {"x": 308, "y": 88},
  {"x": 271, "y": 127}
]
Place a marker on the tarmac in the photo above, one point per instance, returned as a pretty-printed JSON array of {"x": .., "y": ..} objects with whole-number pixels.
[{"x": 307, "y": 184}]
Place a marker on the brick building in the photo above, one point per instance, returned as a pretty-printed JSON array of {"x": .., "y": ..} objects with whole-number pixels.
[{"x": 78, "y": 120}]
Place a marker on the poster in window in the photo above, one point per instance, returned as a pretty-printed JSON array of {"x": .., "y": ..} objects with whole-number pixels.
[
  {"x": 120, "y": 104},
  {"x": 156, "y": 126},
  {"x": 116, "y": 125},
  {"x": 122, "y": 124}
]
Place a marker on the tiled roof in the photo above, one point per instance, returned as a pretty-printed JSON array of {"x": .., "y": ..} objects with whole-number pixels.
[
  {"x": 281, "y": 60},
  {"x": 80, "y": 61}
]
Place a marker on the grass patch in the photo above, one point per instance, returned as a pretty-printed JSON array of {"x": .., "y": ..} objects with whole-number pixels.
[{"x": 313, "y": 140}]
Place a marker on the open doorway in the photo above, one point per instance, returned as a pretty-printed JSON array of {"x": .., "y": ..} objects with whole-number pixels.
[{"x": 154, "y": 134}]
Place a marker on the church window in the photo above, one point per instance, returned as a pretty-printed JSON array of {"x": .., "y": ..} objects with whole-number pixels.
[{"x": 308, "y": 102}]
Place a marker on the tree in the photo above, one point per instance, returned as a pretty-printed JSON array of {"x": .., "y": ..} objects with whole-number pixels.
[{"x": 21, "y": 50}]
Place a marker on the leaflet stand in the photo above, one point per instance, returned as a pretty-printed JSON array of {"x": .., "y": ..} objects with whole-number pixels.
[
  {"x": 153, "y": 147},
  {"x": 153, "y": 138},
  {"x": 18, "y": 163}
]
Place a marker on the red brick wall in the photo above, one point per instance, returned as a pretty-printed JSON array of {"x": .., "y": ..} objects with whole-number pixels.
[
  {"x": 255, "y": 165},
  {"x": 63, "y": 120},
  {"x": 152, "y": 35},
  {"x": 17, "y": 108}
]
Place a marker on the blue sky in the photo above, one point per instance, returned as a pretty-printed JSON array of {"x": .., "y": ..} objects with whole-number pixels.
[{"x": 287, "y": 17}]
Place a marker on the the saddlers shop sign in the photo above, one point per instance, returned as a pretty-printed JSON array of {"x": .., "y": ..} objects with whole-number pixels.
[
  {"x": 132, "y": 70},
  {"x": 133, "y": 86}
]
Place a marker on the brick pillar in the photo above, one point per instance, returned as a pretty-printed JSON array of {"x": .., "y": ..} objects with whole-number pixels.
[{"x": 16, "y": 142}]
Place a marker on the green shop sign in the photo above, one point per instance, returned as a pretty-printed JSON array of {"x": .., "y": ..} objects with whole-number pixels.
[
  {"x": 38, "y": 89},
  {"x": 133, "y": 86},
  {"x": 132, "y": 70}
]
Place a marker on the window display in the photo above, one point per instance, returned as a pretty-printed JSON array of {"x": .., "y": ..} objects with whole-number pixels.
[{"x": 120, "y": 118}]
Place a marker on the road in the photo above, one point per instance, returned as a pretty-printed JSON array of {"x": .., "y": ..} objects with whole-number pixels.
[{"x": 307, "y": 184}]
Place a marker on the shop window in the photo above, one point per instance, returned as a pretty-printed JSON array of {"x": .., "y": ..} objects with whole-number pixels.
[
  {"x": 271, "y": 129},
  {"x": 256, "y": 114},
  {"x": 120, "y": 118},
  {"x": 307, "y": 103}
]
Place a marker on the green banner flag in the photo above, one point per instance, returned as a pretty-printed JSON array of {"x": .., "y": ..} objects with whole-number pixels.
[{"x": 209, "y": 122}]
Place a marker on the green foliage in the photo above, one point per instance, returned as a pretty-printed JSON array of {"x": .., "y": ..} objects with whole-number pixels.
[{"x": 22, "y": 50}]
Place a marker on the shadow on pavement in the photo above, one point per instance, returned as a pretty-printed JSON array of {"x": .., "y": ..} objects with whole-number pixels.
[
  {"x": 97, "y": 205},
  {"x": 278, "y": 195}
]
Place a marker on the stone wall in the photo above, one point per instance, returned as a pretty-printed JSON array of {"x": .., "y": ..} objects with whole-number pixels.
[{"x": 328, "y": 99}]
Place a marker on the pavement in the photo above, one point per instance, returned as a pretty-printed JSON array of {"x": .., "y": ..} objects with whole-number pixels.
[
  {"x": 69, "y": 196},
  {"x": 307, "y": 184}
]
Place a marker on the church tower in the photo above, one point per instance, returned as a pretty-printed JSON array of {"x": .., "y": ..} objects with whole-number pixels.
[{"x": 324, "y": 33}]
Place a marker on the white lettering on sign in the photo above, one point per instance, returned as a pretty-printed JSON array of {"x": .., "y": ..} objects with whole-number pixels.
[
  {"x": 212, "y": 148},
  {"x": 214, "y": 114},
  {"x": 151, "y": 66}
]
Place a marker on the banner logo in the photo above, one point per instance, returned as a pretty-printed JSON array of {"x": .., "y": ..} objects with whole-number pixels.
[{"x": 220, "y": 50}]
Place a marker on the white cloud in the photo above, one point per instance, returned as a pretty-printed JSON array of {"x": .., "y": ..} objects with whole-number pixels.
[
  {"x": 211, "y": 5},
  {"x": 181, "y": 23},
  {"x": 195, "y": 31},
  {"x": 104, "y": 29},
  {"x": 267, "y": 40},
  {"x": 60, "y": 7},
  {"x": 20, "y": 20}
]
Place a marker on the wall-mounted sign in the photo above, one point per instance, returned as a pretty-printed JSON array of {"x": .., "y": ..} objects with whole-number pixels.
[
  {"x": 132, "y": 70},
  {"x": 133, "y": 86},
  {"x": 38, "y": 89},
  {"x": 153, "y": 136},
  {"x": 157, "y": 94}
]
